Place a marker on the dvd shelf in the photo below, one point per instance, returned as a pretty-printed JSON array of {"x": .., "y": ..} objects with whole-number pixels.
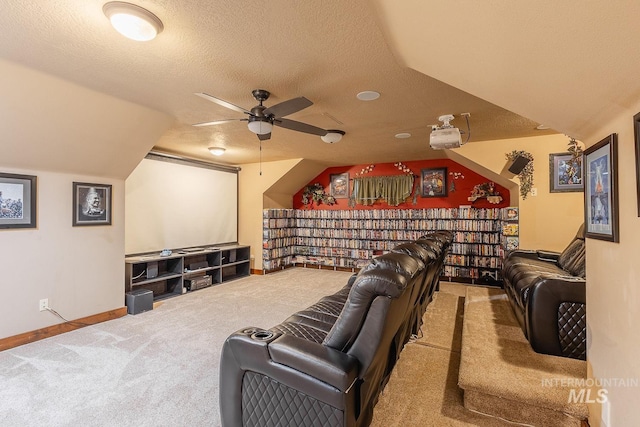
[{"x": 351, "y": 238}]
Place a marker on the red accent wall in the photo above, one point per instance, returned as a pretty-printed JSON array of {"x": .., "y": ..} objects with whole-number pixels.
[{"x": 463, "y": 186}]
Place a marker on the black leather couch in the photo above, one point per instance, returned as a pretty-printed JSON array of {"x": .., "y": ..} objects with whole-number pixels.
[
  {"x": 547, "y": 291},
  {"x": 326, "y": 365}
]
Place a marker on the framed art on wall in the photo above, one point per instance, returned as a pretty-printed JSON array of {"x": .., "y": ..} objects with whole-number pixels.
[
  {"x": 17, "y": 201},
  {"x": 433, "y": 182},
  {"x": 565, "y": 173},
  {"x": 91, "y": 204},
  {"x": 601, "y": 190},
  {"x": 340, "y": 185},
  {"x": 636, "y": 133}
]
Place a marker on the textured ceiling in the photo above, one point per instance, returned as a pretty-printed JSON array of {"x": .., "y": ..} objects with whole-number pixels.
[{"x": 326, "y": 51}]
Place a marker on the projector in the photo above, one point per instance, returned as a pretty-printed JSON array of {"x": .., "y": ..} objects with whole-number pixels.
[{"x": 445, "y": 138}]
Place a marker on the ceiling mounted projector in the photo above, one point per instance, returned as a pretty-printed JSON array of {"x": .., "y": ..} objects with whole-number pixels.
[{"x": 445, "y": 135}]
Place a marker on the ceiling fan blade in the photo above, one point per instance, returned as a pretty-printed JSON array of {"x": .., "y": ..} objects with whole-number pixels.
[
  {"x": 218, "y": 122},
  {"x": 222, "y": 102},
  {"x": 264, "y": 136},
  {"x": 288, "y": 107},
  {"x": 300, "y": 127}
]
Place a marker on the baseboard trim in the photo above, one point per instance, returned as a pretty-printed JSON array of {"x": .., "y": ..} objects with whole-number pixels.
[
  {"x": 256, "y": 271},
  {"x": 61, "y": 328}
]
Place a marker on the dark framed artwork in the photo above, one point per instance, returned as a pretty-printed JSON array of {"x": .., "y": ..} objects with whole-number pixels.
[
  {"x": 17, "y": 201},
  {"x": 433, "y": 182},
  {"x": 636, "y": 132},
  {"x": 91, "y": 204},
  {"x": 601, "y": 190},
  {"x": 340, "y": 185},
  {"x": 565, "y": 173}
]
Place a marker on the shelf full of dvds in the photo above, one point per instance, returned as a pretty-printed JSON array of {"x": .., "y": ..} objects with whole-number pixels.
[{"x": 351, "y": 238}]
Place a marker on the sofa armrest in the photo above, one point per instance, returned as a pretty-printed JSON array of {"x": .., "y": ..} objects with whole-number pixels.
[
  {"x": 522, "y": 253},
  {"x": 548, "y": 255},
  {"x": 542, "y": 313},
  {"x": 249, "y": 375},
  {"x": 319, "y": 361}
]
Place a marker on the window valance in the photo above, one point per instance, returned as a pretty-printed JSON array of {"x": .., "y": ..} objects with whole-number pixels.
[{"x": 393, "y": 189}]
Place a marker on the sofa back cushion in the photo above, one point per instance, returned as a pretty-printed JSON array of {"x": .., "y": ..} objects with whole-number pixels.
[
  {"x": 423, "y": 254},
  {"x": 368, "y": 285},
  {"x": 402, "y": 263},
  {"x": 572, "y": 259}
]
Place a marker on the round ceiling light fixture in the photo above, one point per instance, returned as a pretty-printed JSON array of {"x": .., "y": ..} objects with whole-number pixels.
[
  {"x": 133, "y": 21},
  {"x": 403, "y": 135},
  {"x": 368, "y": 95},
  {"x": 217, "y": 151},
  {"x": 332, "y": 136},
  {"x": 542, "y": 127}
]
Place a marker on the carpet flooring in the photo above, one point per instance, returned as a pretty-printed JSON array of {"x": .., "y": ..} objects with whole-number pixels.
[{"x": 161, "y": 368}]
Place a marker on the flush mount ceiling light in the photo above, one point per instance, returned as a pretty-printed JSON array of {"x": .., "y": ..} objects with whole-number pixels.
[
  {"x": 259, "y": 127},
  {"x": 368, "y": 95},
  {"x": 403, "y": 135},
  {"x": 542, "y": 127},
  {"x": 332, "y": 136},
  {"x": 217, "y": 151},
  {"x": 133, "y": 21}
]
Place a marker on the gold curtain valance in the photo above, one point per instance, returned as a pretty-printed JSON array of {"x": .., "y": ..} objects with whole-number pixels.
[{"x": 393, "y": 189}]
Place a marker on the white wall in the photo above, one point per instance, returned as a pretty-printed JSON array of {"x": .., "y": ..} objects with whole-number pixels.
[{"x": 80, "y": 269}]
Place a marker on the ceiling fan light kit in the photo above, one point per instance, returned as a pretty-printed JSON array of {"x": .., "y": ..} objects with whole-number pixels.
[
  {"x": 332, "y": 136},
  {"x": 260, "y": 127},
  {"x": 133, "y": 22},
  {"x": 217, "y": 151}
]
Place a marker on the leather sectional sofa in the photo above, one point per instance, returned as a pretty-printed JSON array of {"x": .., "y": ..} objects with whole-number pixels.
[
  {"x": 327, "y": 364},
  {"x": 547, "y": 291}
]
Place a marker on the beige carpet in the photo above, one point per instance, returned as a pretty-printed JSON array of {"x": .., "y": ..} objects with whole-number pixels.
[
  {"x": 499, "y": 369},
  {"x": 423, "y": 388}
]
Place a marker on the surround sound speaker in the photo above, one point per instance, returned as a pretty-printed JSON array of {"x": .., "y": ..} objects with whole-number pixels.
[
  {"x": 139, "y": 301},
  {"x": 518, "y": 164}
]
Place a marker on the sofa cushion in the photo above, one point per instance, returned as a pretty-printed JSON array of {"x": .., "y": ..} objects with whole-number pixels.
[
  {"x": 402, "y": 263},
  {"x": 368, "y": 285},
  {"x": 416, "y": 251}
]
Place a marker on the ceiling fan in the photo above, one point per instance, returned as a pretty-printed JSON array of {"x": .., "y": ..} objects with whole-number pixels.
[{"x": 262, "y": 119}]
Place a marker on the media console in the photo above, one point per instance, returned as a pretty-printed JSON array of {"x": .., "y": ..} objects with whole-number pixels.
[{"x": 172, "y": 275}]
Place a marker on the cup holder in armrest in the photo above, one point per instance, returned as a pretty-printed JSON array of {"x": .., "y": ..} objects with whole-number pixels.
[
  {"x": 250, "y": 331},
  {"x": 262, "y": 335}
]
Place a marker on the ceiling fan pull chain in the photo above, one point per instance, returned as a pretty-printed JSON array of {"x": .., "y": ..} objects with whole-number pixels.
[{"x": 260, "y": 157}]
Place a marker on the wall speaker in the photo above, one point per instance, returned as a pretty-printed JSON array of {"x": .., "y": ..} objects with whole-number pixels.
[{"x": 518, "y": 164}]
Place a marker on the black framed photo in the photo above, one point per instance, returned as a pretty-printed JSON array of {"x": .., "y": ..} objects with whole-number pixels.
[
  {"x": 91, "y": 204},
  {"x": 17, "y": 201},
  {"x": 601, "y": 190},
  {"x": 636, "y": 132},
  {"x": 565, "y": 173},
  {"x": 340, "y": 185},
  {"x": 433, "y": 182}
]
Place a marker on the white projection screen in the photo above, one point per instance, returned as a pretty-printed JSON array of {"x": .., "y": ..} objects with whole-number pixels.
[{"x": 172, "y": 203}]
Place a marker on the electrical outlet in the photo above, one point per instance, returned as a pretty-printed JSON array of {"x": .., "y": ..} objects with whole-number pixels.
[
  {"x": 44, "y": 304},
  {"x": 534, "y": 191}
]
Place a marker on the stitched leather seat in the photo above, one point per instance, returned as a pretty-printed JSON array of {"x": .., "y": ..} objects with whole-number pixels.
[
  {"x": 327, "y": 364},
  {"x": 548, "y": 296}
]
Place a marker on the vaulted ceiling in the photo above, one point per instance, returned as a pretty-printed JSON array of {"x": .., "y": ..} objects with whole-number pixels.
[{"x": 510, "y": 65}]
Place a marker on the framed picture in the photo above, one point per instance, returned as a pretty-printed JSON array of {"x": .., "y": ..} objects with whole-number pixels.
[
  {"x": 91, "y": 204},
  {"x": 565, "y": 173},
  {"x": 340, "y": 185},
  {"x": 601, "y": 190},
  {"x": 636, "y": 132},
  {"x": 17, "y": 201},
  {"x": 433, "y": 182}
]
